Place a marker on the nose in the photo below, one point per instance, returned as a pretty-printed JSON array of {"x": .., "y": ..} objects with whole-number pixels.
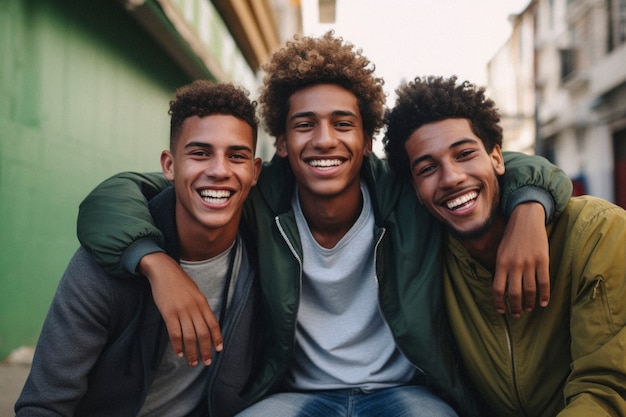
[
  {"x": 217, "y": 167},
  {"x": 324, "y": 136},
  {"x": 451, "y": 175}
]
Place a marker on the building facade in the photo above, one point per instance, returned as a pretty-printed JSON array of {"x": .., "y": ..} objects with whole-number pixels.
[
  {"x": 84, "y": 93},
  {"x": 579, "y": 89}
]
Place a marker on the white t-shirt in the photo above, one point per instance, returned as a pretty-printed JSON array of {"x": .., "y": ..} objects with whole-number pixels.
[{"x": 342, "y": 340}]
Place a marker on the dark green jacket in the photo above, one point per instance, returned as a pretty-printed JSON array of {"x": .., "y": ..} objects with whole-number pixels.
[{"x": 408, "y": 257}]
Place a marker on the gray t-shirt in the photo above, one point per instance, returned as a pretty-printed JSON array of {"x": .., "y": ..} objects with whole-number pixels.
[
  {"x": 178, "y": 387},
  {"x": 342, "y": 340}
]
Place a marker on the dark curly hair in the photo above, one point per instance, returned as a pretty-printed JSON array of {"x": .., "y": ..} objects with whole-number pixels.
[
  {"x": 203, "y": 98},
  {"x": 432, "y": 99},
  {"x": 306, "y": 61}
]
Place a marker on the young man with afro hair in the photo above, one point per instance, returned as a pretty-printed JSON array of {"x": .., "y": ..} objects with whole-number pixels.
[
  {"x": 349, "y": 263},
  {"x": 566, "y": 359},
  {"x": 104, "y": 350}
]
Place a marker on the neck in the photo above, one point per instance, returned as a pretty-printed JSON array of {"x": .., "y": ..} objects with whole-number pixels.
[
  {"x": 485, "y": 248},
  {"x": 329, "y": 219},
  {"x": 199, "y": 243}
]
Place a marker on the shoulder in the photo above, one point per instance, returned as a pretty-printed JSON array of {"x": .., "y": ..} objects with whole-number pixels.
[
  {"x": 86, "y": 282},
  {"x": 588, "y": 224},
  {"x": 585, "y": 210},
  {"x": 387, "y": 190}
]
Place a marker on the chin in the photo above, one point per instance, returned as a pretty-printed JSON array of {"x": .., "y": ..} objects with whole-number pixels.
[{"x": 472, "y": 234}]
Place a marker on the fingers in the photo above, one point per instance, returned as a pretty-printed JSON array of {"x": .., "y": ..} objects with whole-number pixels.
[
  {"x": 543, "y": 281},
  {"x": 208, "y": 336},
  {"x": 514, "y": 294},
  {"x": 189, "y": 341},
  {"x": 529, "y": 285},
  {"x": 499, "y": 291},
  {"x": 519, "y": 291},
  {"x": 200, "y": 335},
  {"x": 175, "y": 333}
]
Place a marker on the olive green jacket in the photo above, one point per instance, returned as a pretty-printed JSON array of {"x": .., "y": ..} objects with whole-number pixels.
[{"x": 568, "y": 359}]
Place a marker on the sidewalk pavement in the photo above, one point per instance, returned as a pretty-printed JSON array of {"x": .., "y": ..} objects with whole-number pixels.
[{"x": 12, "y": 377}]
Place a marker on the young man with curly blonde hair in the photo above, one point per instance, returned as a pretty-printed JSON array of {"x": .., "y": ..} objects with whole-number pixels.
[
  {"x": 349, "y": 263},
  {"x": 103, "y": 350}
]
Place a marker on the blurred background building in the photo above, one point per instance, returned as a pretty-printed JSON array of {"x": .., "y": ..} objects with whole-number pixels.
[{"x": 560, "y": 82}]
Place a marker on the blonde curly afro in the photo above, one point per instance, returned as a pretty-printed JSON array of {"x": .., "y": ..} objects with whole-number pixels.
[{"x": 306, "y": 61}]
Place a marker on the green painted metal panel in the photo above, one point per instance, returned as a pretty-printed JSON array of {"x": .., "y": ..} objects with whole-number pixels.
[{"x": 84, "y": 94}]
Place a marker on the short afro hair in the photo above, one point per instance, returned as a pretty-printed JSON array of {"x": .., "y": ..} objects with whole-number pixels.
[
  {"x": 307, "y": 61},
  {"x": 203, "y": 98},
  {"x": 432, "y": 99}
]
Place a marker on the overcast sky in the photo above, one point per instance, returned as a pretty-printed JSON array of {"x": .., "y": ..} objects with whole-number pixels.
[{"x": 408, "y": 38}]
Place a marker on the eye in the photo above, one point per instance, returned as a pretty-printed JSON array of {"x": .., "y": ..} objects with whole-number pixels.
[
  {"x": 199, "y": 153},
  {"x": 240, "y": 157},
  {"x": 344, "y": 123},
  {"x": 466, "y": 153},
  {"x": 424, "y": 170},
  {"x": 304, "y": 125}
]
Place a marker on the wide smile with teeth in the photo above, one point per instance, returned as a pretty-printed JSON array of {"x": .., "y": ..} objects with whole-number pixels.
[
  {"x": 324, "y": 163},
  {"x": 462, "y": 200},
  {"x": 215, "y": 196}
]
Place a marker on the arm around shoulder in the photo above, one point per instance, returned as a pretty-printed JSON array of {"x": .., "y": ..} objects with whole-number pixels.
[
  {"x": 115, "y": 215},
  {"x": 533, "y": 178}
]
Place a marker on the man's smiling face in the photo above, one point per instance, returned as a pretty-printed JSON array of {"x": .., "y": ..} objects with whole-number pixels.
[
  {"x": 454, "y": 176},
  {"x": 213, "y": 168},
  {"x": 324, "y": 140}
]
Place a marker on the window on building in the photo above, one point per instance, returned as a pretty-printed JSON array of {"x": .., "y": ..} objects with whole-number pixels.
[
  {"x": 616, "y": 24},
  {"x": 568, "y": 63}
]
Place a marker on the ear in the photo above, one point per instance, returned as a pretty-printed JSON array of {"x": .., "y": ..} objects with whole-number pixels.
[
  {"x": 281, "y": 146},
  {"x": 258, "y": 164},
  {"x": 497, "y": 160},
  {"x": 167, "y": 165}
]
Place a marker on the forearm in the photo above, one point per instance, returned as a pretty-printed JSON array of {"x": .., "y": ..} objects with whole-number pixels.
[
  {"x": 533, "y": 178},
  {"x": 115, "y": 215}
]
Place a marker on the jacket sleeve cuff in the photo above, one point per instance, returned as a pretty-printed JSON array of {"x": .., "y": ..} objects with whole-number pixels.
[
  {"x": 531, "y": 193},
  {"x": 137, "y": 250}
]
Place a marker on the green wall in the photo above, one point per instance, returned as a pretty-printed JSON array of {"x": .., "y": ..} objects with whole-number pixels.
[{"x": 83, "y": 94}]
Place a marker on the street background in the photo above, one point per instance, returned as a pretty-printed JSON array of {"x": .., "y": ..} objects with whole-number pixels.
[{"x": 12, "y": 377}]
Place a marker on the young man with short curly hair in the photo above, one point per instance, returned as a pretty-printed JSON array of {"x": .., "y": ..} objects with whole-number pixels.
[
  {"x": 103, "y": 350},
  {"x": 349, "y": 263},
  {"x": 566, "y": 359}
]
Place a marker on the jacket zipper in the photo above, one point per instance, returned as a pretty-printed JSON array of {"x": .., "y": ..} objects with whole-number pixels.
[
  {"x": 380, "y": 310},
  {"x": 295, "y": 254},
  {"x": 233, "y": 319},
  {"x": 509, "y": 341},
  {"x": 509, "y": 344}
]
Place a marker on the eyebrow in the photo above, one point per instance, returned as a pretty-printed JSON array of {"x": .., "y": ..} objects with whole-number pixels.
[
  {"x": 313, "y": 114},
  {"x": 209, "y": 146},
  {"x": 452, "y": 146}
]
